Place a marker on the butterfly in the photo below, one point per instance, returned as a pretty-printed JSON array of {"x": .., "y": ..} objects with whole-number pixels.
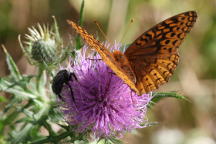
[{"x": 152, "y": 58}]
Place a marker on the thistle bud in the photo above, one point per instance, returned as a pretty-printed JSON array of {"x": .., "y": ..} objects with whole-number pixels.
[
  {"x": 44, "y": 51},
  {"x": 43, "y": 45}
]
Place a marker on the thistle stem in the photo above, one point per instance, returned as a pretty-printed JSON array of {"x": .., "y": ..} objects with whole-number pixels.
[{"x": 78, "y": 39}]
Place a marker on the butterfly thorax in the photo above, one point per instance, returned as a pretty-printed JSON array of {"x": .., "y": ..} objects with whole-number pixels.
[{"x": 123, "y": 62}]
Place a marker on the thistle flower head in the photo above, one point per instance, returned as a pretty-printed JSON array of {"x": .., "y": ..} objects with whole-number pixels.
[
  {"x": 43, "y": 45},
  {"x": 100, "y": 101}
]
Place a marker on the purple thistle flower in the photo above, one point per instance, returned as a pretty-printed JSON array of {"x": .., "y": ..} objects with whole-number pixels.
[{"x": 103, "y": 104}]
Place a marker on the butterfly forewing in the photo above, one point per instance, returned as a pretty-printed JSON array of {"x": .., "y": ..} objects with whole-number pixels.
[
  {"x": 154, "y": 55},
  {"x": 106, "y": 56}
]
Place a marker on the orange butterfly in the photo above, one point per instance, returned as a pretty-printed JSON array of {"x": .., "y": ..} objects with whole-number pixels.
[{"x": 151, "y": 59}]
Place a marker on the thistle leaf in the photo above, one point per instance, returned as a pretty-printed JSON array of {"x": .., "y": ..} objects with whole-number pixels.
[
  {"x": 157, "y": 96},
  {"x": 14, "y": 71}
]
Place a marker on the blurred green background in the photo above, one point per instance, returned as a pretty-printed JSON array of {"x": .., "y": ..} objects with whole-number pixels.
[{"x": 180, "y": 122}]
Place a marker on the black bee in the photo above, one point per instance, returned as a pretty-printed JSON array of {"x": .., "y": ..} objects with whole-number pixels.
[{"x": 61, "y": 78}]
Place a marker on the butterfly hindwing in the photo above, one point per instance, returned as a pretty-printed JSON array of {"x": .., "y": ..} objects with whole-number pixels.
[{"x": 154, "y": 55}]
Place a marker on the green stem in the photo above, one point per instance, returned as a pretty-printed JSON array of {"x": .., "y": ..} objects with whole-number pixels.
[
  {"x": 56, "y": 30},
  {"x": 55, "y": 139},
  {"x": 49, "y": 128},
  {"x": 40, "y": 74},
  {"x": 81, "y": 13},
  {"x": 78, "y": 39}
]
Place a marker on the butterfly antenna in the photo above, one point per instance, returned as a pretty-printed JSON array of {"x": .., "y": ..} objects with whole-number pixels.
[
  {"x": 101, "y": 30},
  {"x": 127, "y": 27}
]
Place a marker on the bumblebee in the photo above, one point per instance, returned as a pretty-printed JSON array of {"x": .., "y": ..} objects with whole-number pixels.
[{"x": 63, "y": 77}]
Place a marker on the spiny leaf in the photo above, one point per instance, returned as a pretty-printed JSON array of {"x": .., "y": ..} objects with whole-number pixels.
[
  {"x": 157, "y": 96},
  {"x": 14, "y": 72},
  {"x": 19, "y": 137},
  {"x": 111, "y": 140},
  {"x": 7, "y": 86}
]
